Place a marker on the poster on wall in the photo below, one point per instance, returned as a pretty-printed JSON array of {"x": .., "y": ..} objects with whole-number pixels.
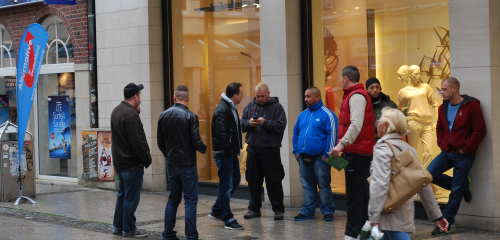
[
  {"x": 4, "y": 109},
  {"x": 59, "y": 127},
  {"x": 105, "y": 172},
  {"x": 89, "y": 149}
]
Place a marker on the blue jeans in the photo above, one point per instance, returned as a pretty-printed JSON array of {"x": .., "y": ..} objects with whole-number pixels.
[
  {"x": 129, "y": 194},
  {"x": 392, "y": 235},
  {"x": 461, "y": 164},
  {"x": 312, "y": 175},
  {"x": 181, "y": 179},
  {"x": 229, "y": 179}
]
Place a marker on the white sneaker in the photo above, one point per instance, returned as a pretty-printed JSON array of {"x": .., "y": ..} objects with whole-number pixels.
[{"x": 351, "y": 238}]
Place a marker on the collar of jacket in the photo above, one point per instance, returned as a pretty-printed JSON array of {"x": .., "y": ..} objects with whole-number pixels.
[
  {"x": 226, "y": 99},
  {"x": 352, "y": 88},
  {"x": 180, "y": 105},
  {"x": 390, "y": 136},
  {"x": 128, "y": 105},
  {"x": 381, "y": 97},
  {"x": 316, "y": 106}
]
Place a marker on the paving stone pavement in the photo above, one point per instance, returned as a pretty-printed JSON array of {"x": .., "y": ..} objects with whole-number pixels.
[{"x": 70, "y": 211}]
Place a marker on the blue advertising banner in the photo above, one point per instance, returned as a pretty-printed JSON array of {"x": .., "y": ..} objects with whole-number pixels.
[
  {"x": 62, "y": 2},
  {"x": 59, "y": 127},
  {"x": 29, "y": 61},
  {"x": 11, "y": 3}
]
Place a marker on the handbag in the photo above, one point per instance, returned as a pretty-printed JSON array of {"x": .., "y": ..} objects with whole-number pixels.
[{"x": 408, "y": 177}]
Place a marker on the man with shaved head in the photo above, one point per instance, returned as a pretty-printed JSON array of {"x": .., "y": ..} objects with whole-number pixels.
[
  {"x": 264, "y": 121},
  {"x": 314, "y": 136},
  {"x": 460, "y": 129},
  {"x": 179, "y": 139}
]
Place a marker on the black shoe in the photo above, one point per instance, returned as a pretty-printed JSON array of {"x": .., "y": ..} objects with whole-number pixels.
[
  {"x": 438, "y": 232},
  {"x": 216, "y": 216},
  {"x": 468, "y": 192},
  {"x": 234, "y": 226},
  {"x": 251, "y": 214},
  {"x": 328, "y": 217},
  {"x": 301, "y": 217},
  {"x": 137, "y": 234},
  {"x": 278, "y": 216}
]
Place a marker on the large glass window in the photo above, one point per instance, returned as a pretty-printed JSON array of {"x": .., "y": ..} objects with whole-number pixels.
[
  {"x": 215, "y": 44},
  {"x": 379, "y": 37}
]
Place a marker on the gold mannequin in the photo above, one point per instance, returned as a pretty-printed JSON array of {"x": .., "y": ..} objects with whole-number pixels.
[{"x": 418, "y": 96}]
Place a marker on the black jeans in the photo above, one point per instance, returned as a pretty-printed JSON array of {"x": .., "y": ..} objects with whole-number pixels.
[
  {"x": 266, "y": 166},
  {"x": 357, "y": 192}
]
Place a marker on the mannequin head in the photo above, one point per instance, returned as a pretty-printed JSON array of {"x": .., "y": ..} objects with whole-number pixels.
[
  {"x": 403, "y": 74},
  {"x": 414, "y": 73}
]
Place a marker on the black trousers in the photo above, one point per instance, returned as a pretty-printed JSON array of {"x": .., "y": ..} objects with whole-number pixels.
[
  {"x": 357, "y": 192},
  {"x": 266, "y": 166}
]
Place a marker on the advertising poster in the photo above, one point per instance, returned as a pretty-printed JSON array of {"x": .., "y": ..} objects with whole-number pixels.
[
  {"x": 4, "y": 109},
  {"x": 59, "y": 127},
  {"x": 105, "y": 172},
  {"x": 89, "y": 149}
]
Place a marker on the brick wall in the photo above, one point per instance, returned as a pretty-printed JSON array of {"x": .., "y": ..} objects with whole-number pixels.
[{"x": 17, "y": 19}]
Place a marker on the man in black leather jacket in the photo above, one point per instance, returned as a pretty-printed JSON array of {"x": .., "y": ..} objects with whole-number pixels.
[
  {"x": 379, "y": 100},
  {"x": 179, "y": 139},
  {"x": 226, "y": 146}
]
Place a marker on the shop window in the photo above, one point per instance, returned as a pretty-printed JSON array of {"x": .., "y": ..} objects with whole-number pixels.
[
  {"x": 379, "y": 37},
  {"x": 214, "y": 45},
  {"x": 7, "y": 53},
  {"x": 8, "y": 100},
  {"x": 56, "y": 105}
]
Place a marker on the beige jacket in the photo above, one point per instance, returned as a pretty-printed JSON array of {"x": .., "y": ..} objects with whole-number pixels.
[{"x": 401, "y": 219}]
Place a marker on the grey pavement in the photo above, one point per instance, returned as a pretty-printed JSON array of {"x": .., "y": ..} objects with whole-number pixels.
[{"x": 70, "y": 211}]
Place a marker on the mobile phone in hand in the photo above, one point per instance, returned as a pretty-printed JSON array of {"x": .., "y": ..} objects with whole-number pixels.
[{"x": 255, "y": 117}]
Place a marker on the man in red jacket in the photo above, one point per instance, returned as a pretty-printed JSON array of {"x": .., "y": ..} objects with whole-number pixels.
[
  {"x": 460, "y": 129},
  {"x": 356, "y": 134}
]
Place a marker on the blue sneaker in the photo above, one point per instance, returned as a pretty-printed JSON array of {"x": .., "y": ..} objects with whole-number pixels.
[
  {"x": 302, "y": 217},
  {"x": 328, "y": 217}
]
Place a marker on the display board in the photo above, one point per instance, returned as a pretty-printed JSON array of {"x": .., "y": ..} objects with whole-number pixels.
[
  {"x": 89, "y": 150},
  {"x": 97, "y": 157}
]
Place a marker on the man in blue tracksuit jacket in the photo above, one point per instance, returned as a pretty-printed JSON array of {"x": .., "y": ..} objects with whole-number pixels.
[{"x": 314, "y": 137}]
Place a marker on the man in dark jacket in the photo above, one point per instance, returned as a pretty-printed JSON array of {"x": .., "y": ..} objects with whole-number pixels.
[
  {"x": 226, "y": 146},
  {"x": 379, "y": 100},
  {"x": 264, "y": 121},
  {"x": 460, "y": 129},
  {"x": 179, "y": 139},
  {"x": 131, "y": 154}
]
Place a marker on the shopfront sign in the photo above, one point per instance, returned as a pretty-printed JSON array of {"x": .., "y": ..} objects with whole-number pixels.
[
  {"x": 29, "y": 61},
  {"x": 61, "y": 2},
  {"x": 13, "y": 3},
  {"x": 59, "y": 127}
]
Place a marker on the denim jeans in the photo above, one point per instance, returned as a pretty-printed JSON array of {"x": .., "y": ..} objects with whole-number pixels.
[
  {"x": 129, "y": 194},
  {"x": 181, "y": 179},
  {"x": 392, "y": 235},
  {"x": 311, "y": 176},
  {"x": 461, "y": 164},
  {"x": 229, "y": 179}
]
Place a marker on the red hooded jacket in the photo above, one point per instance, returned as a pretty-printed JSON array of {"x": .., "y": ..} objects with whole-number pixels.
[{"x": 469, "y": 128}]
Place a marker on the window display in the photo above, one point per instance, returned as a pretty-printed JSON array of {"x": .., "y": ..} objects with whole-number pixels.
[
  {"x": 404, "y": 44},
  {"x": 213, "y": 45}
]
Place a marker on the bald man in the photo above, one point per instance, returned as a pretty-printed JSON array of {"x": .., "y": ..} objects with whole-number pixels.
[
  {"x": 264, "y": 121},
  {"x": 314, "y": 136},
  {"x": 460, "y": 129}
]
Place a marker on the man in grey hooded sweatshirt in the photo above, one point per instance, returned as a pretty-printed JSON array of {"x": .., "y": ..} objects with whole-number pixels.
[
  {"x": 264, "y": 121},
  {"x": 226, "y": 146}
]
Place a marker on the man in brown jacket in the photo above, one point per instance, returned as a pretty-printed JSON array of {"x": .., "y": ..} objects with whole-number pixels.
[{"x": 130, "y": 154}]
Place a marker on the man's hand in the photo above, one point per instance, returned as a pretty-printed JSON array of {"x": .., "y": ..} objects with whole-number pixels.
[
  {"x": 261, "y": 121},
  {"x": 374, "y": 224},
  {"x": 252, "y": 122},
  {"x": 139, "y": 109},
  {"x": 461, "y": 151},
  {"x": 323, "y": 157},
  {"x": 297, "y": 156},
  {"x": 336, "y": 151},
  {"x": 443, "y": 224}
]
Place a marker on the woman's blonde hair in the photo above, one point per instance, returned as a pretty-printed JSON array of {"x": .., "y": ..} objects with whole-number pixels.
[{"x": 396, "y": 120}]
